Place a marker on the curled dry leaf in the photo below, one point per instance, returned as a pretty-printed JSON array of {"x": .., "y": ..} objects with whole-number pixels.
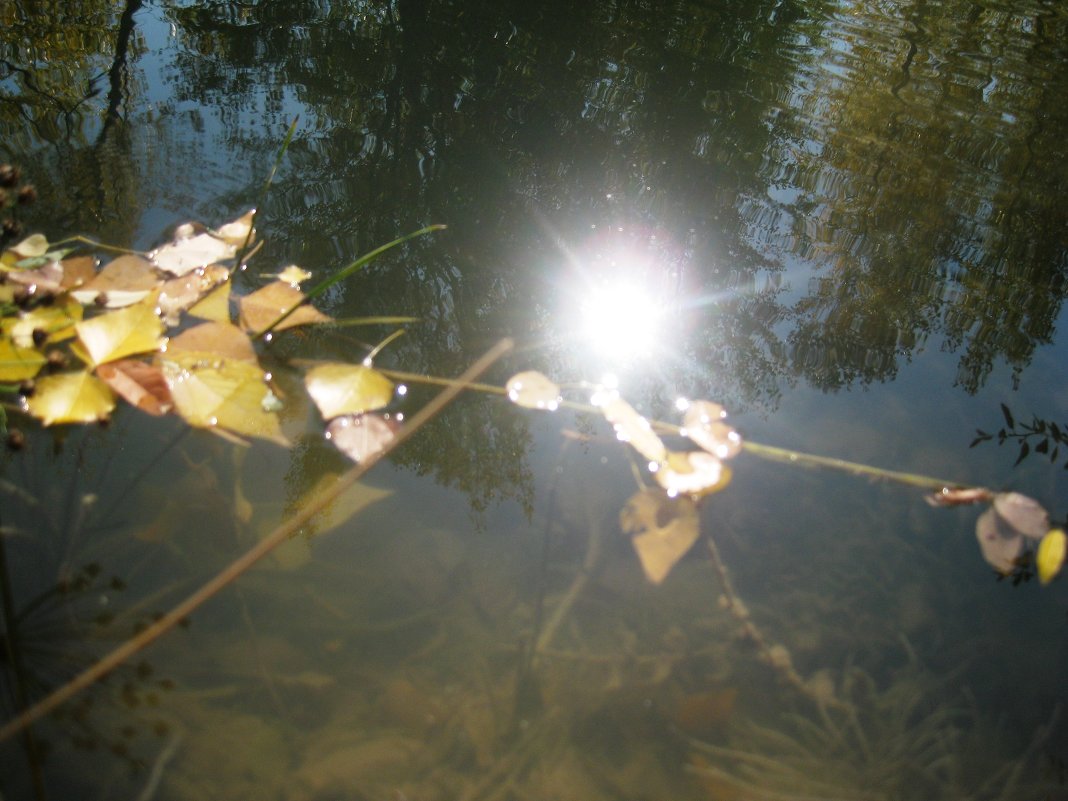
[
  {"x": 140, "y": 384},
  {"x": 339, "y": 388},
  {"x": 692, "y": 473},
  {"x": 959, "y": 496},
  {"x": 360, "y": 436},
  {"x": 70, "y": 398},
  {"x": 263, "y": 307},
  {"x": 663, "y": 529},
  {"x": 533, "y": 390},
  {"x": 633, "y": 428}
]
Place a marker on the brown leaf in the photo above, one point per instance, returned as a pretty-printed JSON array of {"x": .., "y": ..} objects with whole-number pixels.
[
  {"x": 78, "y": 270},
  {"x": 260, "y": 309},
  {"x": 123, "y": 281},
  {"x": 140, "y": 384},
  {"x": 213, "y": 340}
]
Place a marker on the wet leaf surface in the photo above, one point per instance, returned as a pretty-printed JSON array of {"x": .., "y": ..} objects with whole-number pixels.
[
  {"x": 111, "y": 336},
  {"x": 533, "y": 390},
  {"x": 264, "y": 306},
  {"x": 71, "y": 398},
  {"x": 138, "y": 383},
  {"x": 351, "y": 389},
  {"x": 228, "y": 394},
  {"x": 361, "y": 436}
]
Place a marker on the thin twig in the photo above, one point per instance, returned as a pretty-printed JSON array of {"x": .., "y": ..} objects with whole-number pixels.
[{"x": 280, "y": 534}]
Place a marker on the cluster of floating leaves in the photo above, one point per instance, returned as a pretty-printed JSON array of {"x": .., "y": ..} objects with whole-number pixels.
[
  {"x": 663, "y": 522},
  {"x": 158, "y": 330}
]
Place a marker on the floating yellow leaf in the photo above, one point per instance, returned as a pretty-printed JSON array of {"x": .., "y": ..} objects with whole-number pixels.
[
  {"x": 1050, "y": 556},
  {"x": 211, "y": 341},
  {"x": 229, "y": 394},
  {"x": 55, "y": 323},
  {"x": 339, "y": 389},
  {"x": 111, "y": 336},
  {"x": 18, "y": 364},
  {"x": 533, "y": 390},
  {"x": 260, "y": 309},
  {"x": 663, "y": 529},
  {"x": 293, "y": 275},
  {"x": 214, "y": 306},
  {"x": 70, "y": 398}
]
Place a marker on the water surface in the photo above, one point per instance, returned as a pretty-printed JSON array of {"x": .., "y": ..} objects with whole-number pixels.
[{"x": 850, "y": 215}]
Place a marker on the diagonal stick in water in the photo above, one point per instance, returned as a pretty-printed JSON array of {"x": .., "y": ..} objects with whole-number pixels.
[{"x": 136, "y": 644}]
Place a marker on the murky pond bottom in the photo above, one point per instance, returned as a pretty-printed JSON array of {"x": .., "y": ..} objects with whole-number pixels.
[{"x": 420, "y": 651}]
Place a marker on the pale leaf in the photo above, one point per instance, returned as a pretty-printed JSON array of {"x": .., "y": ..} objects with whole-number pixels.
[
  {"x": 663, "y": 529},
  {"x": 185, "y": 255},
  {"x": 238, "y": 231},
  {"x": 125, "y": 332},
  {"x": 179, "y": 294},
  {"x": 1023, "y": 514},
  {"x": 44, "y": 280},
  {"x": 533, "y": 390},
  {"x": 339, "y": 389},
  {"x": 293, "y": 275},
  {"x": 999, "y": 543},
  {"x": 360, "y": 436},
  {"x": 70, "y": 398},
  {"x": 31, "y": 246}
]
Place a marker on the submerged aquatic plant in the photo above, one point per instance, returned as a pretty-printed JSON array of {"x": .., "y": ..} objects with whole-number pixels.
[{"x": 908, "y": 740}]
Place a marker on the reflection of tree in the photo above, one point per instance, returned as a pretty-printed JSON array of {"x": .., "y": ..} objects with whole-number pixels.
[
  {"x": 927, "y": 185},
  {"x": 57, "y": 64}
]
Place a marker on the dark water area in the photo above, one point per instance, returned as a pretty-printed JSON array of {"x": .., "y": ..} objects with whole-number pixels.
[{"x": 843, "y": 221}]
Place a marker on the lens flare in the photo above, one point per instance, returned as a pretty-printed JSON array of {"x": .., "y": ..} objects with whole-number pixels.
[{"x": 620, "y": 322}]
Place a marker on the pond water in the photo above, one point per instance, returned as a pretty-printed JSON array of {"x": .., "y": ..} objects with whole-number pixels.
[{"x": 842, "y": 220}]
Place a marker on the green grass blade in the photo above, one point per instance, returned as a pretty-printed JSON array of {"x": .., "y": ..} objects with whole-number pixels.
[{"x": 344, "y": 273}]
